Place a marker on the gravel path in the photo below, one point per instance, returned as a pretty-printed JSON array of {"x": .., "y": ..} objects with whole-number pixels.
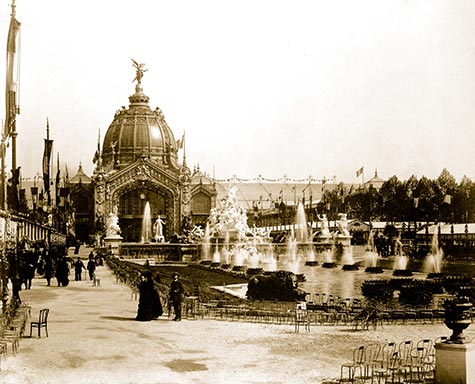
[{"x": 93, "y": 338}]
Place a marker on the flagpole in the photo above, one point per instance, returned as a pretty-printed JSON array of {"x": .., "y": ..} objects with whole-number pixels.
[
  {"x": 3, "y": 270},
  {"x": 49, "y": 166},
  {"x": 14, "y": 133}
]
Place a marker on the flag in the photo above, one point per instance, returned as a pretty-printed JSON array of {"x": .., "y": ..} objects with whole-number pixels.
[
  {"x": 448, "y": 199},
  {"x": 98, "y": 150},
  {"x": 57, "y": 187},
  {"x": 359, "y": 171},
  {"x": 181, "y": 142},
  {"x": 46, "y": 163},
  {"x": 13, "y": 45}
]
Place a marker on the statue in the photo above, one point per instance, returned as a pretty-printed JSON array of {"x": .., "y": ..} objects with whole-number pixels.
[
  {"x": 343, "y": 224},
  {"x": 140, "y": 71},
  {"x": 112, "y": 225},
  {"x": 158, "y": 230},
  {"x": 325, "y": 228}
]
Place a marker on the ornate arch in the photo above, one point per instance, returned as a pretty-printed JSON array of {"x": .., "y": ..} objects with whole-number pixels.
[{"x": 171, "y": 196}]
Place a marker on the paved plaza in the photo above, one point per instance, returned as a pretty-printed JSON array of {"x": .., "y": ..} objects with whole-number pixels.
[{"x": 94, "y": 338}]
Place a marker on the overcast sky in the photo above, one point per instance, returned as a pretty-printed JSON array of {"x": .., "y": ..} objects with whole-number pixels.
[{"x": 300, "y": 88}]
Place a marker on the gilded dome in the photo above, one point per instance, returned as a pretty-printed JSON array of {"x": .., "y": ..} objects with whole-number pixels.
[{"x": 137, "y": 132}]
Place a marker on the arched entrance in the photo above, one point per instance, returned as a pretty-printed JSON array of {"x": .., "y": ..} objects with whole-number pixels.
[{"x": 131, "y": 210}]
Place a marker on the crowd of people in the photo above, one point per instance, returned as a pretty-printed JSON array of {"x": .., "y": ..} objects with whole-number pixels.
[{"x": 38, "y": 259}]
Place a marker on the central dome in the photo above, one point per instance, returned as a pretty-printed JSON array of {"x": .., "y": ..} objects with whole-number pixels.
[{"x": 137, "y": 132}]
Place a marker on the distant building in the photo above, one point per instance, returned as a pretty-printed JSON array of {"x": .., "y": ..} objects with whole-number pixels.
[
  {"x": 375, "y": 182},
  {"x": 81, "y": 197}
]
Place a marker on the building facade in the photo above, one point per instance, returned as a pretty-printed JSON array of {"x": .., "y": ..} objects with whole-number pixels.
[{"x": 139, "y": 164}]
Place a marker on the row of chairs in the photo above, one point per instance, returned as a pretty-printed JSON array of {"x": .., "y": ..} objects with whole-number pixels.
[
  {"x": 407, "y": 362},
  {"x": 12, "y": 328}
]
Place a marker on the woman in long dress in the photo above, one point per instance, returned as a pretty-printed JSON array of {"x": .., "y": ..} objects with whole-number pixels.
[{"x": 150, "y": 306}]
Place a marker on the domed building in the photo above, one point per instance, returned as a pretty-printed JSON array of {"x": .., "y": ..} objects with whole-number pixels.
[{"x": 138, "y": 164}]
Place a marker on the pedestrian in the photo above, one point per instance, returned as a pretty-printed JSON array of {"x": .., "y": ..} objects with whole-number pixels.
[
  {"x": 62, "y": 271},
  {"x": 176, "y": 295},
  {"x": 149, "y": 307},
  {"x": 78, "y": 267},
  {"x": 48, "y": 267},
  {"x": 91, "y": 266}
]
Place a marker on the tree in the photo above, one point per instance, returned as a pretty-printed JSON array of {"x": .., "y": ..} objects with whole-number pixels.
[{"x": 446, "y": 186}]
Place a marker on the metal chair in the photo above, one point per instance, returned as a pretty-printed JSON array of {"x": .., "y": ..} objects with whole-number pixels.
[
  {"x": 41, "y": 323},
  {"x": 302, "y": 317},
  {"x": 347, "y": 371}
]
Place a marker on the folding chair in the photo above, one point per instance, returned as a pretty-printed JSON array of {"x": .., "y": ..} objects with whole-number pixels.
[{"x": 41, "y": 323}]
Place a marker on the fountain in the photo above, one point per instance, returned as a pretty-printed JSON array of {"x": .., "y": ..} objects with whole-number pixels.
[
  {"x": 400, "y": 260},
  {"x": 241, "y": 246},
  {"x": 371, "y": 256},
  {"x": 146, "y": 234},
  {"x": 347, "y": 260},
  {"x": 311, "y": 258},
  {"x": 301, "y": 225},
  {"x": 216, "y": 257},
  {"x": 205, "y": 247},
  {"x": 328, "y": 260},
  {"x": 433, "y": 261}
]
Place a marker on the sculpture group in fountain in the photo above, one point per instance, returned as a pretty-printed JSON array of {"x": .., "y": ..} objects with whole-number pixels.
[
  {"x": 343, "y": 224},
  {"x": 230, "y": 218},
  {"x": 228, "y": 227}
]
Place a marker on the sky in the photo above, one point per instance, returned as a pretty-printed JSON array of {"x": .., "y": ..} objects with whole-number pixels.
[{"x": 269, "y": 88}]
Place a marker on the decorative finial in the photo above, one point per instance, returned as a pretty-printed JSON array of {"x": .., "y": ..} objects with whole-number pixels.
[{"x": 140, "y": 71}]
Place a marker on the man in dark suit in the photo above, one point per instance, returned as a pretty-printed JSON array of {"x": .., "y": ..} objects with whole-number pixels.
[{"x": 176, "y": 295}]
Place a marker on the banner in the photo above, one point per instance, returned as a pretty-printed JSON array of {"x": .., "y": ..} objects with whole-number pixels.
[
  {"x": 46, "y": 163},
  {"x": 13, "y": 46}
]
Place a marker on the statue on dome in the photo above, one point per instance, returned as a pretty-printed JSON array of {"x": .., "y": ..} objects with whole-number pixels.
[{"x": 140, "y": 71}]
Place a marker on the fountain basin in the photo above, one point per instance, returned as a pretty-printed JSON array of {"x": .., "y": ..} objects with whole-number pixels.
[
  {"x": 238, "y": 268},
  {"x": 254, "y": 271},
  {"x": 205, "y": 262},
  {"x": 374, "y": 270},
  {"x": 311, "y": 263},
  {"x": 225, "y": 266},
  {"x": 402, "y": 272},
  {"x": 350, "y": 267},
  {"x": 436, "y": 275},
  {"x": 329, "y": 264},
  {"x": 215, "y": 264}
]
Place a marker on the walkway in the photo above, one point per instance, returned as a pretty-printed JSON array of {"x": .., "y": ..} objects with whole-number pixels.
[{"x": 93, "y": 338}]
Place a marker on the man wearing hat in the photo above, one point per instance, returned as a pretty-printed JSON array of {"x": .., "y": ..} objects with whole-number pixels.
[{"x": 176, "y": 295}]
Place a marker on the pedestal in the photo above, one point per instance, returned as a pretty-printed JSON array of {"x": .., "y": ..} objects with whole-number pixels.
[
  {"x": 112, "y": 243},
  {"x": 455, "y": 363}
]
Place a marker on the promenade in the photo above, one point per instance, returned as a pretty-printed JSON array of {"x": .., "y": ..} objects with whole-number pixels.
[{"x": 94, "y": 338}]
